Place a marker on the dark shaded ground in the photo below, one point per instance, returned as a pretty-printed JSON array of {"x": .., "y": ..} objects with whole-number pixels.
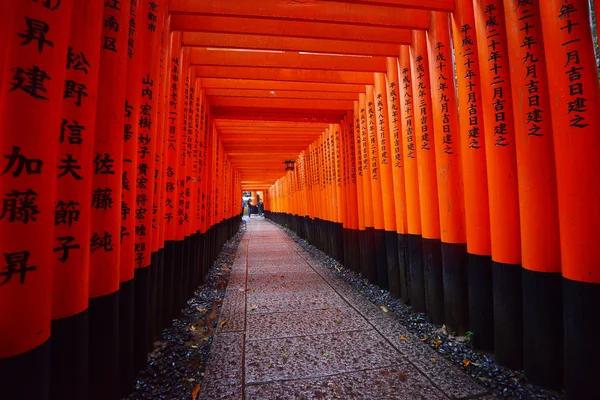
[
  {"x": 176, "y": 366},
  {"x": 457, "y": 349}
]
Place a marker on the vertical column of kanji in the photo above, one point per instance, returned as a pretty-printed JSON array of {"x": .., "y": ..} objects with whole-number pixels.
[
  {"x": 189, "y": 200},
  {"x": 170, "y": 181},
  {"x": 540, "y": 248},
  {"x": 197, "y": 179},
  {"x": 213, "y": 195},
  {"x": 70, "y": 291},
  {"x": 398, "y": 181},
  {"x": 502, "y": 180},
  {"x": 158, "y": 203},
  {"x": 179, "y": 194},
  {"x": 128, "y": 187},
  {"x": 574, "y": 90},
  {"x": 310, "y": 195},
  {"x": 187, "y": 183},
  {"x": 206, "y": 187},
  {"x": 370, "y": 259},
  {"x": 384, "y": 145},
  {"x": 428, "y": 193},
  {"x": 351, "y": 194},
  {"x": 106, "y": 208},
  {"x": 414, "y": 240},
  {"x": 337, "y": 189},
  {"x": 204, "y": 173},
  {"x": 343, "y": 140},
  {"x": 145, "y": 277},
  {"x": 332, "y": 194},
  {"x": 33, "y": 71},
  {"x": 449, "y": 175},
  {"x": 321, "y": 227},
  {"x": 474, "y": 170},
  {"x": 363, "y": 264},
  {"x": 376, "y": 192}
]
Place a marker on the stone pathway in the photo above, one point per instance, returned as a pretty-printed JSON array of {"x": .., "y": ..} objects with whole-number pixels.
[{"x": 289, "y": 329}]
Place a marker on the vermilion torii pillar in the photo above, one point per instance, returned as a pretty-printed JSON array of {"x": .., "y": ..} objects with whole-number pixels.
[
  {"x": 502, "y": 179},
  {"x": 574, "y": 91},
  {"x": 474, "y": 169},
  {"x": 398, "y": 162},
  {"x": 414, "y": 242},
  {"x": 33, "y": 72},
  {"x": 106, "y": 192},
  {"x": 449, "y": 175},
  {"x": 538, "y": 209},
  {"x": 360, "y": 202},
  {"x": 428, "y": 192},
  {"x": 70, "y": 289}
]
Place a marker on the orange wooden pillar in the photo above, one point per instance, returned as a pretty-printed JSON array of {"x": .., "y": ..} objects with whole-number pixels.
[
  {"x": 205, "y": 176},
  {"x": 369, "y": 257},
  {"x": 414, "y": 245},
  {"x": 172, "y": 115},
  {"x": 398, "y": 168},
  {"x": 352, "y": 212},
  {"x": 128, "y": 187},
  {"x": 474, "y": 170},
  {"x": 376, "y": 192},
  {"x": 502, "y": 180},
  {"x": 428, "y": 192},
  {"x": 70, "y": 277},
  {"x": 540, "y": 247},
  {"x": 106, "y": 192},
  {"x": 196, "y": 182},
  {"x": 336, "y": 165},
  {"x": 449, "y": 175},
  {"x": 574, "y": 90},
  {"x": 35, "y": 45},
  {"x": 388, "y": 198},
  {"x": 363, "y": 265}
]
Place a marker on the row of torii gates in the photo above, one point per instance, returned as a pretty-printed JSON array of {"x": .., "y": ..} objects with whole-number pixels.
[{"x": 446, "y": 150}]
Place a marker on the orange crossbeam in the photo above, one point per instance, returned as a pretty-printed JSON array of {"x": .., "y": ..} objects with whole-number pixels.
[
  {"x": 284, "y": 74},
  {"x": 281, "y": 103},
  {"x": 221, "y": 83},
  {"x": 286, "y": 60},
  {"x": 245, "y": 41}
]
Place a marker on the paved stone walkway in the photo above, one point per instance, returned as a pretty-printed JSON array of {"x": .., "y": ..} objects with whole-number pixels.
[{"x": 289, "y": 329}]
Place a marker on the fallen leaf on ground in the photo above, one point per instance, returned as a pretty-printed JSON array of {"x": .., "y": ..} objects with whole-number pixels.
[
  {"x": 223, "y": 323},
  {"x": 437, "y": 343},
  {"x": 194, "y": 346},
  {"x": 325, "y": 308},
  {"x": 201, "y": 310},
  {"x": 252, "y": 308},
  {"x": 193, "y": 328},
  {"x": 402, "y": 376},
  {"x": 384, "y": 309},
  {"x": 433, "y": 359},
  {"x": 190, "y": 379},
  {"x": 466, "y": 362},
  {"x": 195, "y": 392},
  {"x": 404, "y": 338}
]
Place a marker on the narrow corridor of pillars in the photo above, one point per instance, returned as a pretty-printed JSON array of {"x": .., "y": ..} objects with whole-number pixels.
[{"x": 472, "y": 199}]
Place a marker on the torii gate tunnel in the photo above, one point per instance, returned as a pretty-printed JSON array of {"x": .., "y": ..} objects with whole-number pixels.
[{"x": 449, "y": 151}]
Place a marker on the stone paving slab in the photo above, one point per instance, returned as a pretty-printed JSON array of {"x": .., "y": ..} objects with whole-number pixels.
[{"x": 293, "y": 330}]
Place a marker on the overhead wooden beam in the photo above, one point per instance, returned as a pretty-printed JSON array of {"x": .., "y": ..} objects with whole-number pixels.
[
  {"x": 433, "y": 5},
  {"x": 285, "y": 74},
  {"x": 268, "y": 114},
  {"x": 219, "y": 83},
  {"x": 288, "y": 28},
  {"x": 294, "y": 104},
  {"x": 231, "y": 58},
  {"x": 280, "y": 94},
  {"x": 351, "y": 13},
  {"x": 244, "y": 41}
]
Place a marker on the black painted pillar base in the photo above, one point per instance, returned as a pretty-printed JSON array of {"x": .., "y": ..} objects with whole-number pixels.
[
  {"x": 508, "y": 314},
  {"x": 393, "y": 269},
  {"x": 346, "y": 256},
  {"x": 364, "y": 254},
  {"x": 381, "y": 258},
  {"x": 185, "y": 278},
  {"x": 434, "y": 279},
  {"x": 415, "y": 273},
  {"x": 481, "y": 302},
  {"x": 127, "y": 370},
  {"x": 26, "y": 376},
  {"x": 581, "y": 327},
  {"x": 339, "y": 234},
  {"x": 69, "y": 358},
  {"x": 140, "y": 320},
  {"x": 402, "y": 240},
  {"x": 543, "y": 328},
  {"x": 104, "y": 347},
  {"x": 158, "y": 317},
  {"x": 152, "y": 284},
  {"x": 455, "y": 265},
  {"x": 168, "y": 276},
  {"x": 177, "y": 278},
  {"x": 371, "y": 259},
  {"x": 354, "y": 250}
]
